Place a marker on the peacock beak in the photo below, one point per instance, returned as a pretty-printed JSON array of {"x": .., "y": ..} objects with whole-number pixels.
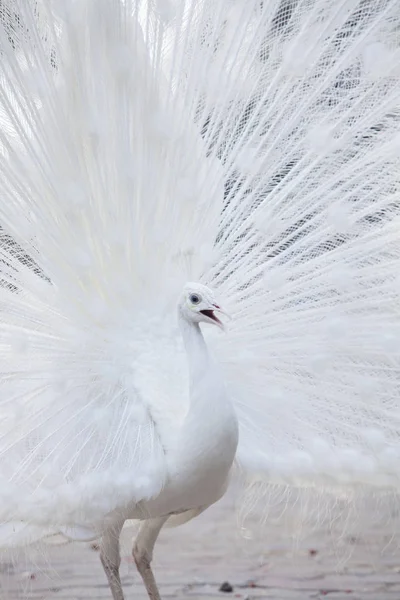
[
  {"x": 222, "y": 312},
  {"x": 210, "y": 314}
]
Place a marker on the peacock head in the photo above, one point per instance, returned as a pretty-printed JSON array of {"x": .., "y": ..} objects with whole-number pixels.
[{"x": 198, "y": 305}]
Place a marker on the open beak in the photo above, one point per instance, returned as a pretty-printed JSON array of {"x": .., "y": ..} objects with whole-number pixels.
[{"x": 210, "y": 313}]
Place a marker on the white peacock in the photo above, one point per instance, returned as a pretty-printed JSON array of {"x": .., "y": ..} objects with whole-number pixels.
[{"x": 250, "y": 146}]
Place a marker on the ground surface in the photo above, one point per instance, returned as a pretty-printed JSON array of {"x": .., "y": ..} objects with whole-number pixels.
[{"x": 192, "y": 561}]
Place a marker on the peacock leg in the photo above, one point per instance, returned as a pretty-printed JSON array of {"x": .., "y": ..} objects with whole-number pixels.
[
  {"x": 143, "y": 553},
  {"x": 111, "y": 559}
]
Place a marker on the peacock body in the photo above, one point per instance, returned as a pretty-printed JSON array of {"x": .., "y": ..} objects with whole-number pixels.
[{"x": 251, "y": 146}]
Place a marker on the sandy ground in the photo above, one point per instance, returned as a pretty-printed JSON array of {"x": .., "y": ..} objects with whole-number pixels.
[{"x": 279, "y": 561}]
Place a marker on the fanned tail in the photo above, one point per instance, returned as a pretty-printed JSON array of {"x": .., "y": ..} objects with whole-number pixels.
[{"x": 251, "y": 145}]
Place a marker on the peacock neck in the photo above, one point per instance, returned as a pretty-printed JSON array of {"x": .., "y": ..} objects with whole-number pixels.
[
  {"x": 198, "y": 358},
  {"x": 210, "y": 411}
]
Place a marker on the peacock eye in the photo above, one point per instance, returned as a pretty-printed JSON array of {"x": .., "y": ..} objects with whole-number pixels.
[{"x": 194, "y": 298}]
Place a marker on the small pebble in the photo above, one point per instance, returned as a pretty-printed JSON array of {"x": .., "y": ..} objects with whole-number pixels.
[
  {"x": 352, "y": 539},
  {"x": 226, "y": 587}
]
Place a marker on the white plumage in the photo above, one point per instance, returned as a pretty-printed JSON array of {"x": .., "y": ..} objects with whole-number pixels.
[{"x": 249, "y": 145}]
